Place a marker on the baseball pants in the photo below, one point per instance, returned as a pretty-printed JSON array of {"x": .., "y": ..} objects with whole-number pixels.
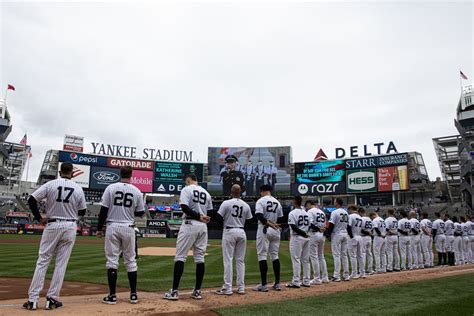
[
  {"x": 316, "y": 253},
  {"x": 268, "y": 243},
  {"x": 404, "y": 244},
  {"x": 427, "y": 249},
  {"x": 466, "y": 249},
  {"x": 299, "y": 250},
  {"x": 120, "y": 238},
  {"x": 379, "y": 253},
  {"x": 234, "y": 242},
  {"x": 393, "y": 257},
  {"x": 417, "y": 258},
  {"x": 367, "y": 240},
  {"x": 57, "y": 240},
  {"x": 440, "y": 243},
  {"x": 339, "y": 252},
  {"x": 192, "y": 234},
  {"x": 458, "y": 250},
  {"x": 357, "y": 255},
  {"x": 449, "y": 247}
]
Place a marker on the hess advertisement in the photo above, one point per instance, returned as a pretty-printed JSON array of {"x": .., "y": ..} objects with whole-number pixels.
[
  {"x": 392, "y": 179},
  {"x": 361, "y": 181}
]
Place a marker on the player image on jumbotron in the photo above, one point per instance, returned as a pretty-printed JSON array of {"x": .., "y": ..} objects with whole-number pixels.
[{"x": 231, "y": 176}]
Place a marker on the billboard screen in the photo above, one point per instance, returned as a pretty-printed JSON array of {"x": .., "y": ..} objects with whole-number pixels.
[
  {"x": 143, "y": 180},
  {"x": 82, "y": 159},
  {"x": 393, "y": 178},
  {"x": 254, "y": 167},
  {"x": 169, "y": 176},
  {"x": 326, "y": 188},
  {"x": 80, "y": 174},
  {"x": 322, "y": 171},
  {"x": 363, "y": 180},
  {"x": 101, "y": 177}
]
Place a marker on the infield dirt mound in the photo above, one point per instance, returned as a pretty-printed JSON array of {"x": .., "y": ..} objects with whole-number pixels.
[{"x": 153, "y": 304}]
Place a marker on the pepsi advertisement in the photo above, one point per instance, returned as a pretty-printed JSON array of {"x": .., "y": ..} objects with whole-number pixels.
[
  {"x": 82, "y": 159},
  {"x": 101, "y": 177}
]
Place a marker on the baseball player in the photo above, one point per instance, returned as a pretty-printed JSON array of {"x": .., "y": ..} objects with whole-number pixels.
[
  {"x": 356, "y": 244},
  {"x": 195, "y": 202},
  {"x": 417, "y": 258},
  {"x": 380, "y": 231},
  {"x": 65, "y": 201},
  {"x": 298, "y": 220},
  {"x": 449, "y": 231},
  {"x": 391, "y": 242},
  {"x": 367, "y": 229},
  {"x": 439, "y": 238},
  {"x": 404, "y": 240},
  {"x": 317, "y": 220},
  {"x": 427, "y": 240},
  {"x": 470, "y": 249},
  {"x": 267, "y": 211},
  {"x": 234, "y": 213},
  {"x": 458, "y": 242},
  {"x": 339, "y": 238},
  {"x": 465, "y": 240},
  {"x": 121, "y": 202}
]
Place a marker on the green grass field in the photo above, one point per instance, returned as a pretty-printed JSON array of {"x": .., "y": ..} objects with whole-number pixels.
[
  {"x": 446, "y": 296},
  {"x": 87, "y": 264}
]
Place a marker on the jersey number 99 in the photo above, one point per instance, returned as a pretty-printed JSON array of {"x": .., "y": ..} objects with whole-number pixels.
[{"x": 199, "y": 197}]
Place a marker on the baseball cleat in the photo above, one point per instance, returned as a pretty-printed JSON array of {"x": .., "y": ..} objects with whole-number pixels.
[
  {"x": 276, "y": 287},
  {"x": 51, "y": 303},
  {"x": 363, "y": 276},
  {"x": 133, "y": 298},
  {"x": 315, "y": 282},
  {"x": 171, "y": 295},
  {"x": 347, "y": 278},
  {"x": 261, "y": 288},
  {"x": 336, "y": 279},
  {"x": 196, "y": 294},
  {"x": 306, "y": 284},
  {"x": 389, "y": 271},
  {"x": 30, "y": 305},
  {"x": 241, "y": 291},
  {"x": 355, "y": 276},
  {"x": 224, "y": 292},
  {"x": 110, "y": 299},
  {"x": 292, "y": 286},
  {"x": 325, "y": 280}
]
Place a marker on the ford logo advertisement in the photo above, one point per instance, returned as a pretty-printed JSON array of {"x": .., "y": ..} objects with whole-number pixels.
[{"x": 102, "y": 177}]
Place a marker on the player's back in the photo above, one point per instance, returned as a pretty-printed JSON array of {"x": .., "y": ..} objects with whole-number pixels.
[
  {"x": 449, "y": 228},
  {"x": 440, "y": 226},
  {"x": 367, "y": 224},
  {"x": 404, "y": 225},
  {"x": 340, "y": 219},
  {"x": 317, "y": 217},
  {"x": 234, "y": 213},
  {"x": 269, "y": 207},
  {"x": 458, "y": 229},
  {"x": 355, "y": 222},
  {"x": 196, "y": 198},
  {"x": 379, "y": 223},
  {"x": 123, "y": 200},
  {"x": 300, "y": 218},
  {"x": 427, "y": 224},
  {"x": 391, "y": 223},
  {"x": 465, "y": 229},
  {"x": 63, "y": 197},
  {"x": 415, "y": 224}
]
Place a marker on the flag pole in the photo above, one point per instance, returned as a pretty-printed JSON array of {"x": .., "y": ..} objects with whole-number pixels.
[
  {"x": 27, "y": 165},
  {"x": 460, "y": 81}
]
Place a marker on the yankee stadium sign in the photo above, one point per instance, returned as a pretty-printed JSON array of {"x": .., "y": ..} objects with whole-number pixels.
[{"x": 145, "y": 153}]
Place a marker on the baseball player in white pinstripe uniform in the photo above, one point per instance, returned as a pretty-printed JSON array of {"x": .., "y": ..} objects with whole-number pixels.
[
  {"x": 367, "y": 231},
  {"x": 64, "y": 202},
  {"x": 234, "y": 213},
  {"x": 426, "y": 240},
  {"x": 391, "y": 242},
  {"x": 356, "y": 243},
  {"x": 404, "y": 240},
  {"x": 195, "y": 202},
  {"x": 339, "y": 239},
  {"x": 317, "y": 220},
  {"x": 121, "y": 202},
  {"x": 415, "y": 242},
  {"x": 439, "y": 238}
]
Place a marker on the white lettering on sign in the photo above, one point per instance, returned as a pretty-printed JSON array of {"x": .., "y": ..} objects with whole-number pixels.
[{"x": 366, "y": 150}]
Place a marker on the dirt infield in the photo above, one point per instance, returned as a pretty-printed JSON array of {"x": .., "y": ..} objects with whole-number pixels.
[{"x": 153, "y": 304}]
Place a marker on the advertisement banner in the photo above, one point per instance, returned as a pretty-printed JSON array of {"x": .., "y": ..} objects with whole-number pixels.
[
  {"x": 256, "y": 165},
  {"x": 320, "y": 172},
  {"x": 327, "y": 188},
  {"x": 135, "y": 164},
  {"x": 73, "y": 143},
  {"x": 176, "y": 171},
  {"x": 101, "y": 177},
  {"x": 156, "y": 223},
  {"x": 171, "y": 187},
  {"x": 80, "y": 174},
  {"x": 361, "y": 181},
  {"x": 377, "y": 161},
  {"x": 143, "y": 180},
  {"x": 392, "y": 179},
  {"x": 82, "y": 159}
]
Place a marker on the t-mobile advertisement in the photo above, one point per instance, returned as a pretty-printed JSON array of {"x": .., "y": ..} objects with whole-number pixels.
[{"x": 143, "y": 180}]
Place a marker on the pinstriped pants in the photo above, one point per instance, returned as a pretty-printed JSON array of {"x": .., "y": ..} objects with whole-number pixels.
[
  {"x": 120, "y": 238},
  {"x": 57, "y": 240}
]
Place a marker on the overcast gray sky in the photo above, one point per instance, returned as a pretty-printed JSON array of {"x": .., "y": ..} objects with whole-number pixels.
[{"x": 192, "y": 75}]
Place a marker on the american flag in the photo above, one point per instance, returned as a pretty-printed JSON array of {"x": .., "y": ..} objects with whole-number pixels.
[
  {"x": 463, "y": 76},
  {"x": 24, "y": 140}
]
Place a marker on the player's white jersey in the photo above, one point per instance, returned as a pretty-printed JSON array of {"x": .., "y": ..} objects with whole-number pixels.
[
  {"x": 122, "y": 200},
  {"x": 465, "y": 229},
  {"x": 300, "y": 218},
  {"x": 367, "y": 224},
  {"x": 415, "y": 224},
  {"x": 404, "y": 225},
  {"x": 449, "y": 228},
  {"x": 355, "y": 222},
  {"x": 235, "y": 212},
  {"x": 379, "y": 223},
  {"x": 63, "y": 197},
  {"x": 391, "y": 224},
  {"x": 317, "y": 217},
  {"x": 458, "y": 229},
  {"x": 439, "y": 225},
  {"x": 196, "y": 198},
  {"x": 340, "y": 219},
  {"x": 470, "y": 225},
  {"x": 270, "y": 208},
  {"x": 426, "y": 224}
]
